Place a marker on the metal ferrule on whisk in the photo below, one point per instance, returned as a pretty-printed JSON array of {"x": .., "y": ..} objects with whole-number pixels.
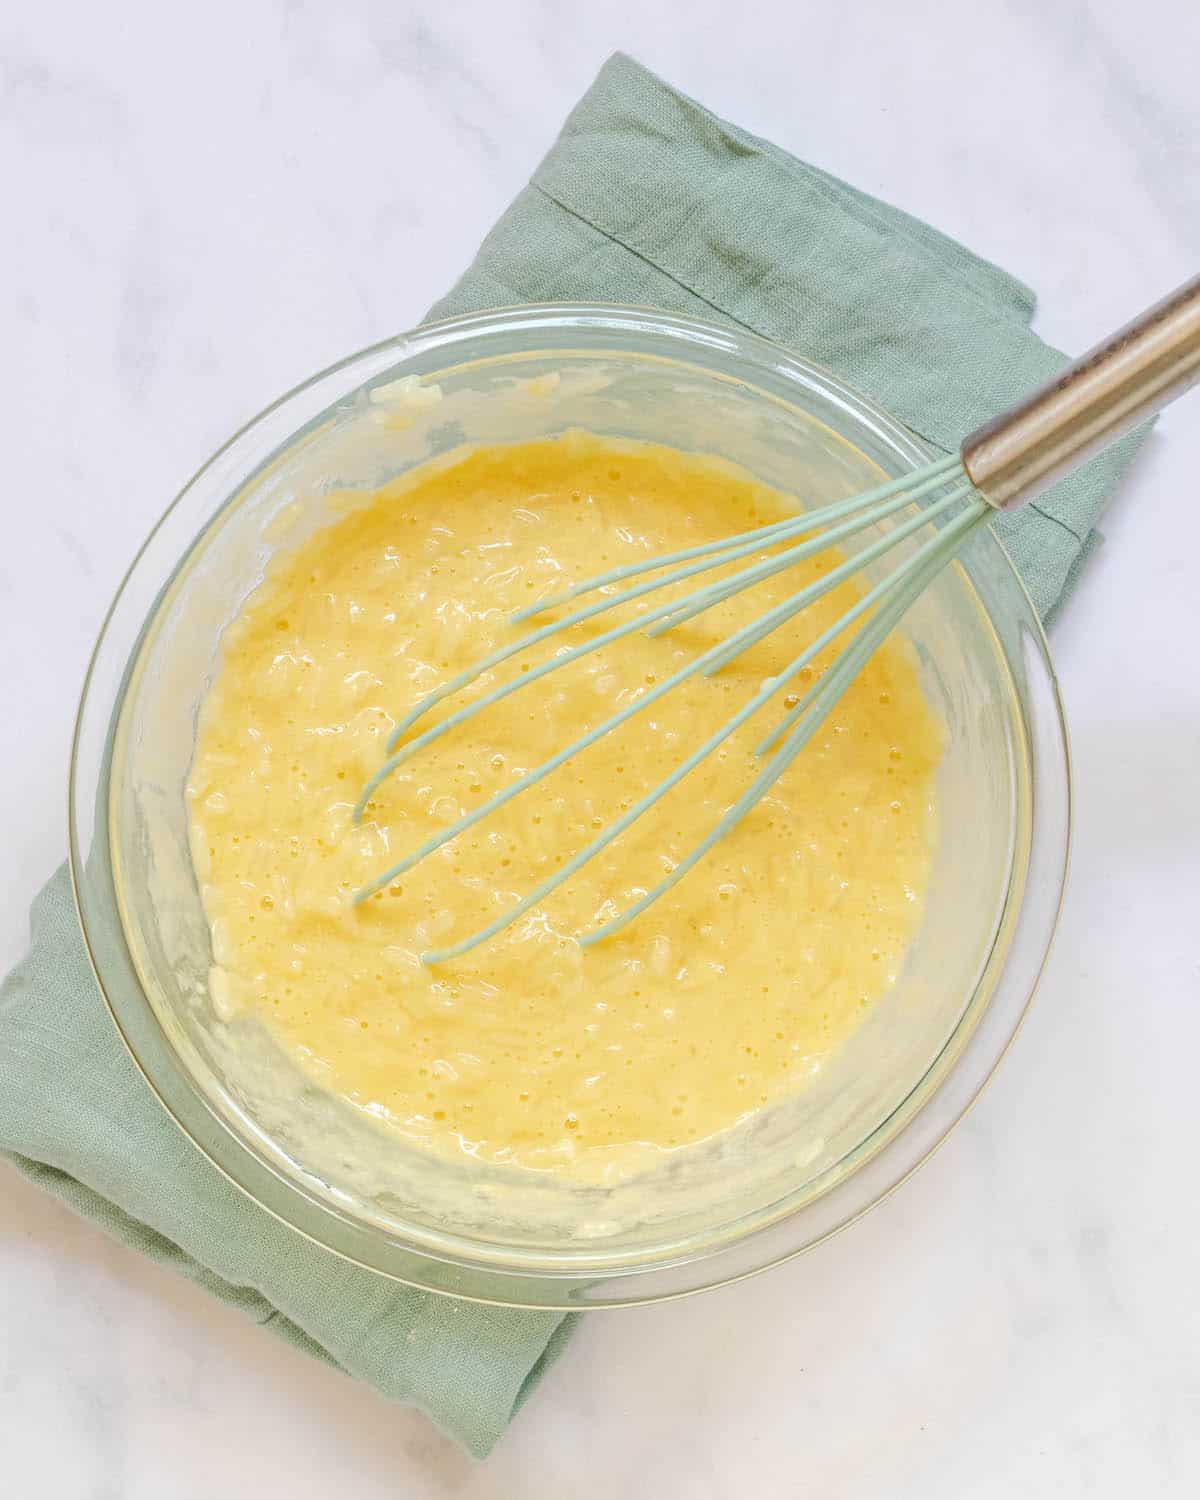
[
  {"x": 1094, "y": 401},
  {"x": 1000, "y": 466}
]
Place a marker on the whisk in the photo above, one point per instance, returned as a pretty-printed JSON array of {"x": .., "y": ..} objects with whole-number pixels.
[{"x": 999, "y": 467}]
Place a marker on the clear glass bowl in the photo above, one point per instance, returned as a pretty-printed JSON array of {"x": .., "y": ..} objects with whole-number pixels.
[{"x": 750, "y": 1197}]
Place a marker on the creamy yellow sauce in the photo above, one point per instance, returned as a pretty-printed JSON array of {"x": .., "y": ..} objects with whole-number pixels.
[{"x": 726, "y": 994}]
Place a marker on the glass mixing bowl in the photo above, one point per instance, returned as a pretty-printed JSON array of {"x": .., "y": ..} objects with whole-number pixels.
[{"x": 778, "y": 1182}]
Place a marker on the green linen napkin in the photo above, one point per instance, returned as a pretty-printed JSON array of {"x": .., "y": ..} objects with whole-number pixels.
[
  {"x": 645, "y": 198},
  {"x": 648, "y": 198}
]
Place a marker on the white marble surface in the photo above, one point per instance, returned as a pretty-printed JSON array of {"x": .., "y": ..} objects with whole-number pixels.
[{"x": 204, "y": 204}]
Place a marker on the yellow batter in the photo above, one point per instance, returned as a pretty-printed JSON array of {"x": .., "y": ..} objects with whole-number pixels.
[{"x": 529, "y": 1050}]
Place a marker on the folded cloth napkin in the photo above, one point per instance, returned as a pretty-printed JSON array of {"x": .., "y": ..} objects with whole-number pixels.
[
  {"x": 648, "y": 198},
  {"x": 645, "y": 198}
]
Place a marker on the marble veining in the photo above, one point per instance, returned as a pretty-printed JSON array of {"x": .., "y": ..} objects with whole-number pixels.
[{"x": 204, "y": 207}]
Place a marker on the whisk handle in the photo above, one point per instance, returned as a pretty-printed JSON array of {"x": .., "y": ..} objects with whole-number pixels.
[{"x": 1094, "y": 401}]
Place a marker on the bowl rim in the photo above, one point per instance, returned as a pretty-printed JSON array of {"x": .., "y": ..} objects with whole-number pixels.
[{"x": 566, "y": 1290}]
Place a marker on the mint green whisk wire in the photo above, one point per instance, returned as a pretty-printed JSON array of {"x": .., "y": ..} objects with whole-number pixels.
[
  {"x": 923, "y": 566},
  {"x": 859, "y": 507},
  {"x": 852, "y": 516},
  {"x": 671, "y": 613},
  {"x": 999, "y": 467},
  {"x": 728, "y": 548}
]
